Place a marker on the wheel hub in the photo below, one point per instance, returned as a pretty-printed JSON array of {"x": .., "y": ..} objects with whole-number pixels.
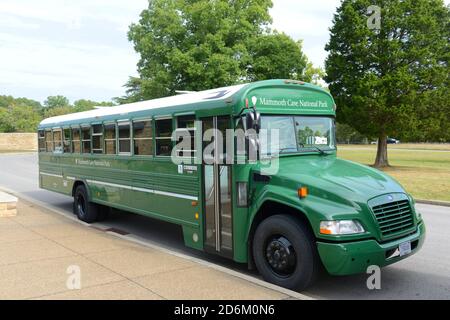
[
  {"x": 80, "y": 205},
  {"x": 281, "y": 256}
]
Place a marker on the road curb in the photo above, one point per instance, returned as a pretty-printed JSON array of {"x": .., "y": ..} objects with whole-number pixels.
[
  {"x": 434, "y": 202},
  {"x": 156, "y": 246}
]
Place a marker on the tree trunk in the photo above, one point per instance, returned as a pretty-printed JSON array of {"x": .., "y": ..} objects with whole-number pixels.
[{"x": 382, "y": 157}]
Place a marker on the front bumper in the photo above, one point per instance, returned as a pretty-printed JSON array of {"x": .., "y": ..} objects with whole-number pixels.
[{"x": 355, "y": 257}]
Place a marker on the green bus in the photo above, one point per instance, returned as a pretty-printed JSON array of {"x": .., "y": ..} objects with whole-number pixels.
[{"x": 313, "y": 211}]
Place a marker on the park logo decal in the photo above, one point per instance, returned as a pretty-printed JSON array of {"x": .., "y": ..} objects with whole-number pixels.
[{"x": 254, "y": 100}]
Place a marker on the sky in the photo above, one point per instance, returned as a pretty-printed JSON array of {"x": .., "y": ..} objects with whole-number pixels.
[{"x": 79, "y": 48}]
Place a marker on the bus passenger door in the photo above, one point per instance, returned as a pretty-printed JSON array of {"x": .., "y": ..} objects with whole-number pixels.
[{"x": 217, "y": 189}]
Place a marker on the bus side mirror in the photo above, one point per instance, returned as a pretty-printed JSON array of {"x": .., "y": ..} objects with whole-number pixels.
[{"x": 253, "y": 120}]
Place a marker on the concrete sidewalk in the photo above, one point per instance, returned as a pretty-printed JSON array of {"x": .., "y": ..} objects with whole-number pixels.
[{"x": 38, "y": 248}]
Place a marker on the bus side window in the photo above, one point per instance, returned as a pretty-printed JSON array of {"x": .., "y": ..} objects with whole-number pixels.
[
  {"x": 187, "y": 125},
  {"x": 48, "y": 140},
  {"x": 57, "y": 140},
  {"x": 67, "y": 141},
  {"x": 97, "y": 137},
  {"x": 110, "y": 138},
  {"x": 41, "y": 140},
  {"x": 163, "y": 137},
  {"x": 76, "y": 144},
  {"x": 143, "y": 137},
  {"x": 86, "y": 139},
  {"x": 124, "y": 138}
]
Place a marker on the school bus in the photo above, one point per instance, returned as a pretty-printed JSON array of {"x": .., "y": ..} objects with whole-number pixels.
[{"x": 312, "y": 211}]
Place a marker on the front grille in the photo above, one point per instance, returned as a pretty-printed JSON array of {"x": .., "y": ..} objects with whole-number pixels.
[{"x": 393, "y": 217}]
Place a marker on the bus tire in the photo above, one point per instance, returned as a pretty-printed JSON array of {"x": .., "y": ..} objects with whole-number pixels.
[
  {"x": 86, "y": 211},
  {"x": 285, "y": 252}
]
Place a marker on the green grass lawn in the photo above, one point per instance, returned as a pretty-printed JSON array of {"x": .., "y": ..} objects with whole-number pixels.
[{"x": 424, "y": 170}]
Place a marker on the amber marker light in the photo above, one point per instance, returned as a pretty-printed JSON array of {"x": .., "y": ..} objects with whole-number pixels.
[
  {"x": 196, "y": 216},
  {"x": 325, "y": 231},
  {"x": 302, "y": 192},
  {"x": 194, "y": 203}
]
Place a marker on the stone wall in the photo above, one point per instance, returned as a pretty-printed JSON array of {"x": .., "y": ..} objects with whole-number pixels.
[{"x": 18, "y": 141}]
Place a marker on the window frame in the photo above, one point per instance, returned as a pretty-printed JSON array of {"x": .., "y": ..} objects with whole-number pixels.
[
  {"x": 193, "y": 131},
  {"x": 130, "y": 138},
  {"x": 157, "y": 138},
  {"x": 97, "y": 134},
  {"x": 57, "y": 130},
  {"x": 50, "y": 131},
  {"x": 84, "y": 126},
  {"x": 105, "y": 140},
  {"x": 73, "y": 140},
  {"x": 65, "y": 140},
  {"x": 40, "y": 139},
  {"x": 152, "y": 138}
]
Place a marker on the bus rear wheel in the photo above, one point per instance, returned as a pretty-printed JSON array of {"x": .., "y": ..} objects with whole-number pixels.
[
  {"x": 285, "y": 252},
  {"x": 86, "y": 211}
]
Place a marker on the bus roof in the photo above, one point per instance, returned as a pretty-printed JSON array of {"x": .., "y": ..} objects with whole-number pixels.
[{"x": 195, "y": 98}]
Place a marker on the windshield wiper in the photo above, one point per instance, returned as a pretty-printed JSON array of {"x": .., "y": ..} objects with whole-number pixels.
[{"x": 322, "y": 153}]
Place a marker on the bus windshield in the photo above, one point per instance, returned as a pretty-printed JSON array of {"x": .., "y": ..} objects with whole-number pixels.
[{"x": 296, "y": 134}]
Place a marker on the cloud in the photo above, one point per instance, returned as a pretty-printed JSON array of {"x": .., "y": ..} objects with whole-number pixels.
[
  {"x": 72, "y": 13},
  {"x": 80, "y": 49},
  {"x": 306, "y": 20}
]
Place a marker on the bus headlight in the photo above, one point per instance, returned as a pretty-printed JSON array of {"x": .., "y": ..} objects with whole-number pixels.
[
  {"x": 341, "y": 227},
  {"x": 242, "y": 194}
]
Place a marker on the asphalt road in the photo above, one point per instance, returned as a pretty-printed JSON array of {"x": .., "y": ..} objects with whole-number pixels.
[{"x": 426, "y": 275}]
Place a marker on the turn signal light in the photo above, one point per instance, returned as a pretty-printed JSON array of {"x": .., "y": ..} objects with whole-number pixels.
[
  {"x": 325, "y": 231},
  {"x": 302, "y": 192}
]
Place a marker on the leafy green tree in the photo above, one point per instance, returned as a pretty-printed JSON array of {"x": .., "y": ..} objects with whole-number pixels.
[
  {"x": 85, "y": 105},
  {"x": 6, "y": 101},
  {"x": 56, "y": 102},
  {"x": 276, "y": 56},
  {"x": 201, "y": 44},
  {"x": 19, "y": 119},
  {"x": 387, "y": 81},
  {"x": 9, "y": 101},
  {"x": 25, "y": 118},
  {"x": 19, "y": 114},
  {"x": 313, "y": 74},
  {"x": 346, "y": 134},
  {"x": 58, "y": 111}
]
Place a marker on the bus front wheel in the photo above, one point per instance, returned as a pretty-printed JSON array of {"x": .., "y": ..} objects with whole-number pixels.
[
  {"x": 86, "y": 211},
  {"x": 285, "y": 252}
]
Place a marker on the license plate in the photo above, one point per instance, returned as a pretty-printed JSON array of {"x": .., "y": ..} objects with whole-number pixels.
[{"x": 405, "y": 248}]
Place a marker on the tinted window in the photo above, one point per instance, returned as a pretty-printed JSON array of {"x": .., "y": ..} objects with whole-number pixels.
[
  {"x": 86, "y": 139},
  {"x": 163, "y": 137},
  {"x": 97, "y": 138},
  {"x": 110, "y": 138},
  {"x": 76, "y": 145},
  {"x": 124, "y": 138},
  {"x": 143, "y": 137}
]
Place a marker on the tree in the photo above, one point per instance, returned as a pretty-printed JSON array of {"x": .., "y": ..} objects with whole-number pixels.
[
  {"x": 346, "y": 134},
  {"x": 276, "y": 56},
  {"x": 85, "y": 105},
  {"x": 58, "y": 111},
  {"x": 19, "y": 114},
  {"x": 56, "y": 102},
  {"x": 385, "y": 81},
  {"x": 201, "y": 44},
  {"x": 19, "y": 119}
]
